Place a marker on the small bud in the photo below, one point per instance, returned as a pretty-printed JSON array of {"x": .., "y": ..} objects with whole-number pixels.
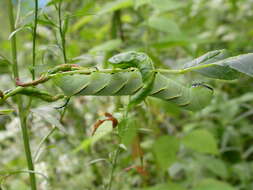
[{"x": 1, "y": 94}]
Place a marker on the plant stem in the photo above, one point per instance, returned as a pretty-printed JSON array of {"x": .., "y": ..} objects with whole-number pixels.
[
  {"x": 87, "y": 71},
  {"x": 116, "y": 29},
  {"x": 182, "y": 71},
  {"x": 34, "y": 39},
  {"x": 114, "y": 164},
  {"x": 36, "y": 154},
  {"x": 13, "y": 40},
  {"x": 22, "y": 115},
  {"x": 62, "y": 34}
]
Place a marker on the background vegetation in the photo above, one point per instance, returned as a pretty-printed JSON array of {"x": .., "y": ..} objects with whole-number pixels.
[{"x": 166, "y": 147}]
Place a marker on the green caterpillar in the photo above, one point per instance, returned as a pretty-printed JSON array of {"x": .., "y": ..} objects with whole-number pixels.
[
  {"x": 129, "y": 83},
  {"x": 139, "y": 82}
]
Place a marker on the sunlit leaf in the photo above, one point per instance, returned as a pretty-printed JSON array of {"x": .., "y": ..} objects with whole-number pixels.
[
  {"x": 127, "y": 130},
  {"x": 6, "y": 111},
  {"x": 102, "y": 131},
  {"x": 201, "y": 141},
  {"x": 80, "y": 23},
  {"x": 164, "y": 25},
  {"x": 116, "y": 5},
  {"x": 107, "y": 46},
  {"x": 165, "y": 149}
]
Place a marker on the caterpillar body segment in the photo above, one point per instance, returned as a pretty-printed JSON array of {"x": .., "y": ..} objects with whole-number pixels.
[
  {"x": 97, "y": 82},
  {"x": 100, "y": 84},
  {"x": 116, "y": 84},
  {"x": 71, "y": 84},
  {"x": 200, "y": 97},
  {"x": 134, "y": 59},
  {"x": 143, "y": 92},
  {"x": 131, "y": 83},
  {"x": 144, "y": 64}
]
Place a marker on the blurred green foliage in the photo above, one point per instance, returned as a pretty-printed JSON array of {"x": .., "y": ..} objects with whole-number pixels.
[{"x": 176, "y": 150}]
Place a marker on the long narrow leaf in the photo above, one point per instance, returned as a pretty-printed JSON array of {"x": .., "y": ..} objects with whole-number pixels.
[{"x": 220, "y": 67}]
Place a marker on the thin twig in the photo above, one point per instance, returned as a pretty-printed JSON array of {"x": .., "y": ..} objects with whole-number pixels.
[
  {"x": 62, "y": 34},
  {"x": 18, "y": 13},
  {"x": 114, "y": 164},
  {"x": 34, "y": 39},
  {"x": 36, "y": 153}
]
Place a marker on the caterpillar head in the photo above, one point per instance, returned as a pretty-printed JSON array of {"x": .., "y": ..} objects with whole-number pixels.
[{"x": 127, "y": 59}]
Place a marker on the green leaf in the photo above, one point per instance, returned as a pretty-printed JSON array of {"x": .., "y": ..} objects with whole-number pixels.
[
  {"x": 102, "y": 131},
  {"x": 242, "y": 63},
  {"x": 127, "y": 129},
  {"x": 209, "y": 57},
  {"x": 116, "y": 5},
  {"x": 80, "y": 23},
  {"x": 215, "y": 71},
  {"x": 167, "y": 186},
  {"x": 6, "y": 111},
  {"x": 165, "y": 149},
  {"x": 201, "y": 141},
  {"x": 211, "y": 184},
  {"x": 166, "y": 5},
  {"x": 215, "y": 165},
  {"x": 242, "y": 170},
  {"x": 107, "y": 46},
  {"x": 220, "y": 68},
  {"x": 139, "y": 3},
  {"x": 4, "y": 64},
  {"x": 164, "y": 25},
  {"x": 50, "y": 115},
  {"x": 27, "y": 27}
]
